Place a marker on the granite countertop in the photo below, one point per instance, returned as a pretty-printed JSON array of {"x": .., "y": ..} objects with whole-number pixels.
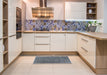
[{"x": 96, "y": 35}]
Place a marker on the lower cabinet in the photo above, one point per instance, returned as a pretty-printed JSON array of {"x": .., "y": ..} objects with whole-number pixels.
[
  {"x": 42, "y": 42},
  {"x": 87, "y": 49},
  {"x": 28, "y": 42},
  {"x": 58, "y": 41},
  {"x": 1, "y": 56},
  {"x": 71, "y": 42},
  {"x": 42, "y": 47},
  {"x": 19, "y": 45},
  {"x": 49, "y": 42},
  {"x": 12, "y": 49}
]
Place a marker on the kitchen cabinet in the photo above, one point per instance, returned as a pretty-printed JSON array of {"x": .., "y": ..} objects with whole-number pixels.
[
  {"x": 12, "y": 51},
  {"x": 58, "y": 42},
  {"x": 19, "y": 45},
  {"x": 12, "y": 17},
  {"x": 1, "y": 6},
  {"x": 87, "y": 49},
  {"x": 28, "y": 42},
  {"x": 58, "y": 7},
  {"x": 42, "y": 42},
  {"x": 75, "y": 10},
  {"x": 71, "y": 42},
  {"x": 1, "y": 56}
]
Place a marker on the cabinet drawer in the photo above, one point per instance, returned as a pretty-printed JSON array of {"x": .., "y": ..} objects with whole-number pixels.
[
  {"x": 42, "y": 40},
  {"x": 85, "y": 42},
  {"x": 42, "y": 47},
  {"x": 84, "y": 51},
  {"x": 42, "y": 34}
]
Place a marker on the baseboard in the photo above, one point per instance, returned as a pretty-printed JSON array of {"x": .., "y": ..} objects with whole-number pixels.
[
  {"x": 49, "y": 53},
  {"x": 10, "y": 64},
  {"x": 91, "y": 67}
]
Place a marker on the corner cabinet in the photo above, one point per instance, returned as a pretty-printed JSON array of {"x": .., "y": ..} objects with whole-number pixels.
[
  {"x": 28, "y": 42},
  {"x": 87, "y": 49},
  {"x": 1, "y": 56},
  {"x": 58, "y": 41}
]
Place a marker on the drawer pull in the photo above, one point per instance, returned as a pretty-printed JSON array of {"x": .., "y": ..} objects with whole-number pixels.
[
  {"x": 84, "y": 49},
  {"x": 12, "y": 35},
  {"x": 84, "y": 40},
  {"x": 42, "y": 36},
  {"x": 42, "y": 44}
]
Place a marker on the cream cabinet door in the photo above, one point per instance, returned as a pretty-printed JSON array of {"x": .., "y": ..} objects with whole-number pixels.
[
  {"x": 1, "y": 18},
  {"x": 92, "y": 52},
  {"x": 75, "y": 10},
  {"x": 1, "y": 61},
  {"x": 12, "y": 17},
  {"x": 71, "y": 42},
  {"x": 58, "y": 42},
  {"x": 19, "y": 45},
  {"x": 12, "y": 48},
  {"x": 1, "y": 56},
  {"x": 28, "y": 42}
]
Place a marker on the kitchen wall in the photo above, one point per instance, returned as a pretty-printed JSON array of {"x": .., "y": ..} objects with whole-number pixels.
[
  {"x": 100, "y": 13},
  {"x": 81, "y": 0},
  {"x": 105, "y": 16},
  {"x": 29, "y": 5},
  {"x": 100, "y": 9},
  {"x": 58, "y": 6},
  {"x": 23, "y": 14}
]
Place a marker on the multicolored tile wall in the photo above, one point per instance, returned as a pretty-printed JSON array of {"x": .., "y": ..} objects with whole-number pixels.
[{"x": 48, "y": 25}]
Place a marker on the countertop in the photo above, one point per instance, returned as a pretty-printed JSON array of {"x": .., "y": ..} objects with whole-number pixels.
[{"x": 96, "y": 35}]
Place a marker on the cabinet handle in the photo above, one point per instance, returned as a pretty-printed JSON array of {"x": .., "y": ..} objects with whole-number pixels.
[
  {"x": 84, "y": 49},
  {"x": 42, "y": 36},
  {"x": 84, "y": 40},
  {"x": 12, "y": 35},
  {"x": 42, "y": 44}
]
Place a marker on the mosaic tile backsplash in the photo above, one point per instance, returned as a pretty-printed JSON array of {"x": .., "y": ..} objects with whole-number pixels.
[{"x": 48, "y": 25}]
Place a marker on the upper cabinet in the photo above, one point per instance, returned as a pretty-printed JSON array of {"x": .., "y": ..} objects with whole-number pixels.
[
  {"x": 58, "y": 7},
  {"x": 75, "y": 10},
  {"x": 1, "y": 18},
  {"x": 91, "y": 10},
  {"x": 62, "y": 9},
  {"x": 12, "y": 17}
]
